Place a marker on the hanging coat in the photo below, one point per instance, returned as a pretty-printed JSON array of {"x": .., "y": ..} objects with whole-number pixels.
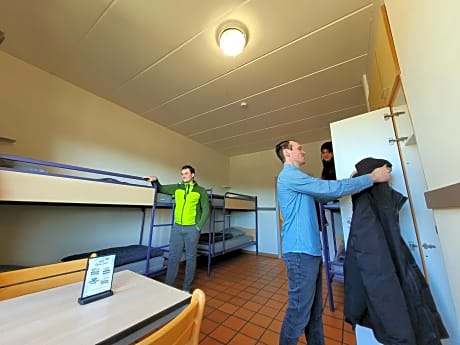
[{"x": 384, "y": 288}]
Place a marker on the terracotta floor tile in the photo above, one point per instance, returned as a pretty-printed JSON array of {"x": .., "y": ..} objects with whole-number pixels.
[
  {"x": 223, "y": 334},
  {"x": 281, "y": 295},
  {"x": 280, "y": 315},
  {"x": 244, "y": 314},
  {"x": 269, "y": 338},
  {"x": 241, "y": 339},
  {"x": 252, "y": 290},
  {"x": 210, "y": 341},
  {"x": 268, "y": 311},
  {"x": 333, "y": 333},
  {"x": 246, "y": 295},
  {"x": 265, "y": 294},
  {"x": 238, "y": 301},
  {"x": 214, "y": 302},
  {"x": 332, "y": 321},
  {"x": 260, "y": 299},
  {"x": 275, "y": 325},
  {"x": 276, "y": 304},
  {"x": 347, "y": 327},
  {"x": 235, "y": 323},
  {"x": 331, "y": 342},
  {"x": 218, "y": 316},
  {"x": 253, "y": 306},
  {"x": 210, "y": 292},
  {"x": 349, "y": 338},
  {"x": 261, "y": 320},
  {"x": 207, "y": 326},
  {"x": 228, "y": 308},
  {"x": 252, "y": 330}
]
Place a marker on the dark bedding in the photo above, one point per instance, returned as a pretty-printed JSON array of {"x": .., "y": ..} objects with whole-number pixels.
[
  {"x": 124, "y": 255},
  {"x": 215, "y": 237}
]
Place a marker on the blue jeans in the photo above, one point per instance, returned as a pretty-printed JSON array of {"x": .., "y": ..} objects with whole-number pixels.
[
  {"x": 182, "y": 236},
  {"x": 305, "y": 302}
]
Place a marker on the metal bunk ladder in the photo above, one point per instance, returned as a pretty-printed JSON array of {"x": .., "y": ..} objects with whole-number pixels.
[
  {"x": 334, "y": 265},
  {"x": 152, "y": 227}
]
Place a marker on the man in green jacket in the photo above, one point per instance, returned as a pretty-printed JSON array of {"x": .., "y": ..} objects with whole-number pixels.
[{"x": 190, "y": 215}]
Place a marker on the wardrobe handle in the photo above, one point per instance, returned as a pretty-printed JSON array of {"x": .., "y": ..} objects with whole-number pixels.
[
  {"x": 428, "y": 246},
  {"x": 392, "y": 141},
  {"x": 412, "y": 245}
]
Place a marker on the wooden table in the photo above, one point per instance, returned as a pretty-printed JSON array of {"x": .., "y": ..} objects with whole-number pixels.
[{"x": 138, "y": 305}]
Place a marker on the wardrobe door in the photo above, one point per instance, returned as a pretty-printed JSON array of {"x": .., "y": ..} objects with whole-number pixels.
[{"x": 371, "y": 135}]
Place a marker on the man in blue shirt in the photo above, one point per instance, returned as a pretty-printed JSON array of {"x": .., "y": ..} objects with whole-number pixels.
[{"x": 301, "y": 242}]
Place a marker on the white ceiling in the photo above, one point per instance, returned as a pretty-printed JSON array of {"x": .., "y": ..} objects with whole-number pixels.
[{"x": 302, "y": 67}]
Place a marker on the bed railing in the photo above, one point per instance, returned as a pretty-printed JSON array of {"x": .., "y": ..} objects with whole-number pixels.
[{"x": 32, "y": 166}]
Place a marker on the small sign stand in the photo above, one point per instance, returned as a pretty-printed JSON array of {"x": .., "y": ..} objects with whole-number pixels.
[{"x": 98, "y": 279}]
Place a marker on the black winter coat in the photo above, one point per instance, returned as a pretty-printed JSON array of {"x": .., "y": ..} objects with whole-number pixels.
[{"x": 384, "y": 288}]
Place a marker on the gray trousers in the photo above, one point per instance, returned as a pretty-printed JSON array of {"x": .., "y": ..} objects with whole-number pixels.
[{"x": 182, "y": 236}]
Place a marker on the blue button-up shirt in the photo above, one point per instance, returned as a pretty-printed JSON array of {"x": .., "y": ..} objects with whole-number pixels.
[{"x": 297, "y": 192}]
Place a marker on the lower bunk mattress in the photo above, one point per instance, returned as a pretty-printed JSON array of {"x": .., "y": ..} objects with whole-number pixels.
[
  {"x": 7, "y": 268},
  {"x": 231, "y": 238},
  {"x": 128, "y": 257}
]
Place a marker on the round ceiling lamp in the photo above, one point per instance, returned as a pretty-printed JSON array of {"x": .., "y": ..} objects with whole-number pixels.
[{"x": 232, "y": 41}]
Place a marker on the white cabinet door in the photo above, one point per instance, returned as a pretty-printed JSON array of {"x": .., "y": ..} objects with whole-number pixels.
[{"x": 373, "y": 135}]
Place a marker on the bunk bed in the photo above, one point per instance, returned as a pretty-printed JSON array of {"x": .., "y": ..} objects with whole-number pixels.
[
  {"x": 223, "y": 237},
  {"x": 28, "y": 181}
]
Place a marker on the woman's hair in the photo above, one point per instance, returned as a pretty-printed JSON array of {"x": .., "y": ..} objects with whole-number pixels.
[{"x": 327, "y": 146}]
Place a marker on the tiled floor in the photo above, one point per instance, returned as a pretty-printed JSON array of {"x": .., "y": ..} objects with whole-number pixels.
[{"x": 246, "y": 296}]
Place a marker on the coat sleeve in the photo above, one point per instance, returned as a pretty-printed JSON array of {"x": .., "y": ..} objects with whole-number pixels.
[
  {"x": 166, "y": 189},
  {"x": 204, "y": 204}
]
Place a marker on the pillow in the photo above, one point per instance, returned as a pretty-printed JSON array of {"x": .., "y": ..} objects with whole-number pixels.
[{"x": 236, "y": 232}]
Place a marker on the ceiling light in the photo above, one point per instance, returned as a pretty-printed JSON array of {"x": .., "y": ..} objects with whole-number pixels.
[{"x": 232, "y": 41}]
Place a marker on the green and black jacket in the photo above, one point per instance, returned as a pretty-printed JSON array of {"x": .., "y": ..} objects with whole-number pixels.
[{"x": 192, "y": 203}]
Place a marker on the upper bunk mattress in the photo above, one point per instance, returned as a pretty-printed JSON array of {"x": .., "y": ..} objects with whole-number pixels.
[{"x": 19, "y": 186}]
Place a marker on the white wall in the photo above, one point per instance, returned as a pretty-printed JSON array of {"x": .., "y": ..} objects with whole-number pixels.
[
  {"x": 256, "y": 174},
  {"x": 56, "y": 121},
  {"x": 428, "y": 49}
]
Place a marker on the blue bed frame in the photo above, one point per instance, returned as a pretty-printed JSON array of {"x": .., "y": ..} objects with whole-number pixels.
[{"x": 226, "y": 246}]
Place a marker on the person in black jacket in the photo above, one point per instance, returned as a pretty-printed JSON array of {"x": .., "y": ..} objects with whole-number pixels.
[
  {"x": 327, "y": 158},
  {"x": 384, "y": 288}
]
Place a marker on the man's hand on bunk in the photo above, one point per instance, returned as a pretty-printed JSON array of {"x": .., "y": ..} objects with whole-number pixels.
[{"x": 151, "y": 178}]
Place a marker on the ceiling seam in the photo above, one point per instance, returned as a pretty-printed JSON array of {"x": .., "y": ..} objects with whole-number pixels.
[
  {"x": 285, "y": 124},
  {"x": 278, "y": 109},
  {"x": 278, "y": 138},
  {"x": 270, "y": 89},
  {"x": 98, "y": 20}
]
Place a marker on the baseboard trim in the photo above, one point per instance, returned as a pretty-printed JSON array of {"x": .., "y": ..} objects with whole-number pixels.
[{"x": 261, "y": 254}]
